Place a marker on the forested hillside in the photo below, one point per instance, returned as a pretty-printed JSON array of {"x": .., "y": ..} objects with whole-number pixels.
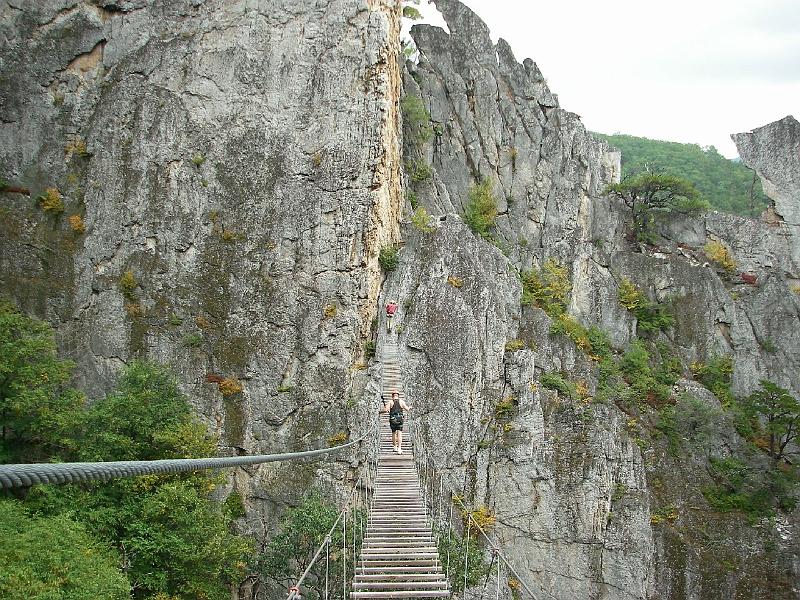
[{"x": 728, "y": 185}]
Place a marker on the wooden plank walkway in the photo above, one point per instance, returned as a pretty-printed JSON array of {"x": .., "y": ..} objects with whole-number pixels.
[{"x": 399, "y": 558}]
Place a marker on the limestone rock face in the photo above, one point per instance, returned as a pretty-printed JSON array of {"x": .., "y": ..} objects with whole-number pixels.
[
  {"x": 773, "y": 151},
  {"x": 235, "y": 165},
  {"x": 574, "y": 486},
  {"x": 548, "y": 472}
]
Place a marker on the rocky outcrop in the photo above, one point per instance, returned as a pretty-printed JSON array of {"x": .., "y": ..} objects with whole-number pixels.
[
  {"x": 234, "y": 169},
  {"x": 772, "y": 151},
  {"x": 574, "y": 485}
]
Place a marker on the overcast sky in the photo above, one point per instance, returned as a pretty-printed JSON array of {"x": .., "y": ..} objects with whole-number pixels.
[{"x": 686, "y": 71}]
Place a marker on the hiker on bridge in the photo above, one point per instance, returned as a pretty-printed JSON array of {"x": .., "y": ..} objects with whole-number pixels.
[
  {"x": 391, "y": 308},
  {"x": 395, "y": 408}
]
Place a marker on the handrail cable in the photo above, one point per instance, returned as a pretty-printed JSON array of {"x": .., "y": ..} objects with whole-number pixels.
[
  {"x": 422, "y": 455},
  {"x": 28, "y": 474},
  {"x": 294, "y": 591}
]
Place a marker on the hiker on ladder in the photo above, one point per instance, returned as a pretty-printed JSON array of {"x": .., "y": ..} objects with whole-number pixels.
[
  {"x": 391, "y": 308},
  {"x": 395, "y": 408}
]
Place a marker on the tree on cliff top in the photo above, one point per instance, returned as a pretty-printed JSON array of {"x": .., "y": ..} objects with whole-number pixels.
[{"x": 648, "y": 193}]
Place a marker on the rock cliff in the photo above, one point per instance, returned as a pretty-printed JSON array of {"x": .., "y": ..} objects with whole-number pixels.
[
  {"x": 225, "y": 175},
  {"x": 210, "y": 182},
  {"x": 580, "y": 488}
]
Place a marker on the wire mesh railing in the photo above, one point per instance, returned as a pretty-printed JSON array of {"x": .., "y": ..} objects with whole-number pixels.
[{"x": 464, "y": 544}]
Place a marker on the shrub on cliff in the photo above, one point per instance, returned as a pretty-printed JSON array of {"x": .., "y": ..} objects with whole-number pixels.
[
  {"x": 548, "y": 287},
  {"x": 650, "y": 316},
  {"x": 389, "y": 258},
  {"x": 481, "y": 210},
  {"x": 417, "y": 120}
]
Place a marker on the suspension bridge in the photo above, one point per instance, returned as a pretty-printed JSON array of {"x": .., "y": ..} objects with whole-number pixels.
[
  {"x": 398, "y": 512},
  {"x": 399, "y": 555}
]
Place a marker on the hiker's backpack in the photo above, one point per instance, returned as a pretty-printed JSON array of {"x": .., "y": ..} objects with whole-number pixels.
[{"x": 396, "y": 414}]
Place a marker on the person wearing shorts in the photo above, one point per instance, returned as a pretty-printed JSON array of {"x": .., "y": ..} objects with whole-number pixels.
[{"x": 395, "y": 407}]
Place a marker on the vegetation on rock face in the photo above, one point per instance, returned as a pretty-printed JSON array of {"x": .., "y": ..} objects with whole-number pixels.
[
  {"x": 230, "y": 386},
  {"x": 648, "y": 193},
  {"x": 481, "y": 210},
  {"x": 170, "y": 537},
  {"x": 76, "y": 224},
  {"x": 716, "y": 376},
  {"x": 416, "y": 119},
  {"x": 718, "y": 253},
  {"x": 456, "y": 282},
  {"x": 728, "y": 185},
  {"x": 514, "y": 345},
  {"x": 548, "y": 287},
  {"x": 389, "y": 258},
  {"x": 557, "y": 383},
  {"x": 303, "y": 528},
  {"x": 77, "y": 147},
  {"x": 127, "y": 285},
  {"x": 329, "y": 310},
  {"x": 650, "y": 316},
  {"x": 51, "y": 201},
  {"x": 419, "y": 170},
  {"x": 688, "y": 421},
  {"x": 421, "y": 220},
  {"x": 411, "y": 13}
]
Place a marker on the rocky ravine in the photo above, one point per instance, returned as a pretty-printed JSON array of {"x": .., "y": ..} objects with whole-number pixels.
[{"x": 243, "y": 163}]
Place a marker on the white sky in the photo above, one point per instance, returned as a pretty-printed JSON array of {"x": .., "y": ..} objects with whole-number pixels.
[{"x": 685, "y": 71}]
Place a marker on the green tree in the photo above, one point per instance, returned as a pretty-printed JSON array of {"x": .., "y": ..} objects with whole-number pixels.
[
  {"x": 38, "y": 410},
  {"x": 145, "y": 418},
  {"x": 173, "y": 539},
  {"x": 302, "y": 530},
  {"x": 647, "y": 193},
  {"x": 780, "y": 412},
  {"x": 728, "y": 185},
  {"x": 54, "y": 558}
]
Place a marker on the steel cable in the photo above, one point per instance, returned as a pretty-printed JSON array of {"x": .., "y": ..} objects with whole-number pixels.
[{"x": 26, "y": 475}]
